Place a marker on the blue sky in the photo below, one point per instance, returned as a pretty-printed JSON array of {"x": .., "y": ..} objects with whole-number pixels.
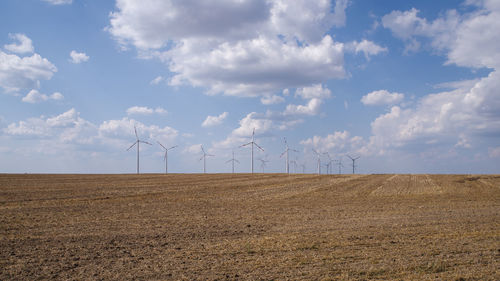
[{"x": 409, "y": 86}]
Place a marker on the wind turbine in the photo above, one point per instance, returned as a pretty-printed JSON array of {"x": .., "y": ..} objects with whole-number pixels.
[
  {"x": 286, "y": 152},
  {"x": 203, "y": 157},
  {"x": 329, "y": 164},
  {"x": 137, "y": 141},
  {"x": 339, "y": 163},
  {"x": 233, "y": 160},
  {"x": 263, "y": 163},
  {"x": 252, "y": 143},
  {"x": 353, "y": 162},
  {"x": 303, "y": 165},
  {"x": 294, "y": 162},
  {"x": 319, "y": 161},
  {"x": 166, "y": 155}
]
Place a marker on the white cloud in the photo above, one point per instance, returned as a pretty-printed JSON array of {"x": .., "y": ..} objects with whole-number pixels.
[
  {"x": 453, "y": 118},
  {"x": 408, "y": 26},
  {"x": 24, "y": 46},
  {"x": 260, "y": 66},
  {"x": 157, "y": 80},
  {"x": 274, "y": 99},
  {"x": 494, "y": 152},
  {"x": 34, "y": 96},
  {"x": 368, "y": 48},
  {"x": 311, "y": 108},
  {"x": 78, "y": 57},
  {"x": 193, "y": 149},
  {"x": 314, "y": 91},
  {"x": 214, "y": 120},
  {"x": 468, "y": 115},
  {"x": 382, "y": 97},
  {"x": 67, "y": 127},
  {"x": 24, "y": 72},
  {"x": 124, "y": 129},
  {"x": 144, "y": 110},
  {"x": 59, "y": 2},
  {"x": 338, "y": 143},
  {"x": 242, "y": 48}
]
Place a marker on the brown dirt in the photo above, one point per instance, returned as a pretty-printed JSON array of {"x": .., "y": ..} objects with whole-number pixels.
[{"x": 249, "y": 227}]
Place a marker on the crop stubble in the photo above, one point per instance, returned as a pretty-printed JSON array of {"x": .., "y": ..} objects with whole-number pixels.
[{"x": 242, "y": 226}]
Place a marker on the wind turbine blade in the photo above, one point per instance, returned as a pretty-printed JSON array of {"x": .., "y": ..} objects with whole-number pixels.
[
  {"x": 135, "y": 130},
  {"x": 229, "y": 160},
  {"x": 209, "y": 155},
  {"x": 202, "y": 157},
  {"x": 236, "y": 161},
  {"x": 294, "y": 150},
  {"x": 245, "y": 144},
  {"x": 259, "y": 146},
  {"x": 172, "y": 147},
  {"x": 315, "y": 151},
  {"x": 145, "y": 142},
  {"x": 202, "y": 149},
  {"x": 131, "y": 146},
  {"x": 161, "y": 145}
]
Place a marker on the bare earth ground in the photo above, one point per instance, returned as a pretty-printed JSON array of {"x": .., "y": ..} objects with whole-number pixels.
[{"x": 263, "y": 226}]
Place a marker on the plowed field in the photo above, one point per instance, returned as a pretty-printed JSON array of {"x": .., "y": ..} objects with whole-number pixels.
[{"x": 249, "y": 227}]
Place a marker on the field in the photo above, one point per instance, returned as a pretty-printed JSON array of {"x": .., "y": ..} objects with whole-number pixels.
[{"x": 249, "y": 227}]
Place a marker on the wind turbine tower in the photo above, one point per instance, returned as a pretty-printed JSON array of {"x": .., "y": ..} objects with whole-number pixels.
[
  {"x": 137, "y": 142},
  {"x": 319, "y": 161},
  {"x": 252, "y": 143},
  {"x": 166, "y": 155},
  {"x": 204, "y": 159},
  {"x": 286, "y": 153},
  {"x": 263, "y": 163},
  {"x": 353, "y": 162},
  {"x": 295, "y": 163},
  {"x": 339, "y": 163},
  {"x": 303, "y": 165},
  {"x": 232, "y": 160},
  {"x": 329, "y": 164}
]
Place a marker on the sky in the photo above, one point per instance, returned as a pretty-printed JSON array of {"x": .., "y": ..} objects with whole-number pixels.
[{"x": 406, "y": 86}]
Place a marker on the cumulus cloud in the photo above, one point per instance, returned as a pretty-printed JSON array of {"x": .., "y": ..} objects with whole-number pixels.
[
  {"x": 274, "y": 99},
  {"x": 465, "y": 115},
  {"x": 157, "y": 80},
  {"x": 447, "y": 117},
  {"x": 124, "y": 128},
  {"x": 64, "y": 128},
  {"x": 242, "y": 48},
  {"x": 193, "y": 149},
  {"x": 59, "y": 2},
  {"x": 259, "y": 66},
  {"x": 23, "y": 46},
  {"x": 78, "y": 57},
  {"x": 214, "y": 120},
  {"x": 69, "y": 132},
  {"x": 34, "y": 96},
  {"x": 311, "y": 108},
  {"x": 24, "y": 72},
  {"x": 408, "y": 26},
  {"x": 368, "y": 48},
  {"x": 315, "y": 91},
  {"x": 339, "y": 142},
  {"x": 144, "y": 110},
  {"x": 382, "y": 97}
]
